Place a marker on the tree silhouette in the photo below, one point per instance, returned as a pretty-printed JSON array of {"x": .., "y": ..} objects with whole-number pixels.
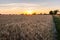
[
  {"x": 51, "y": 13},
  {"x": 55, "y": 12},
  {"x": 34, "y": 13},
  {"x": 0, "y": 14}
]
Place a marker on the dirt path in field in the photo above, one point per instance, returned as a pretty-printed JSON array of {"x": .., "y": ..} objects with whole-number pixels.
[{"x": 54, "y": 31}]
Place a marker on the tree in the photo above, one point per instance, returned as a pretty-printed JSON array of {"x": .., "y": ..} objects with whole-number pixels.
[
  {"x": 0, "y": 14},
  {"x": 55, "y": 12},
  {"x": 34, "y": 13},
  {"x": 44, "y": 13},
  {"x": 51, "y": 13}
]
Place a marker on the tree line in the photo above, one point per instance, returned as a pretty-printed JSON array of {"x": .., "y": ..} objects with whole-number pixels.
[
  {"x": 50, "y": 12},
  {"x": 53, "y": 12}
]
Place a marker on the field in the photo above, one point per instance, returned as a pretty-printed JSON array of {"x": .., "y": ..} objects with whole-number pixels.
[
  {"x": 57, "y": 23},
  {"x": 24, "y": 27}
]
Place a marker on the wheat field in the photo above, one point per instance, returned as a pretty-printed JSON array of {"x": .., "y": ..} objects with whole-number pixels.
[{"x": 22, "y": 27}]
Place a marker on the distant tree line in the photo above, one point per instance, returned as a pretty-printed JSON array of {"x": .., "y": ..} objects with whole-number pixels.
[
  {"x": 50, "y": 12},
  {"x": 53, "y": 12}
]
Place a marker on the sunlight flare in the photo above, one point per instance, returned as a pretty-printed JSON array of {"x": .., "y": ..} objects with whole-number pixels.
[{"x": 28, "y": 12}]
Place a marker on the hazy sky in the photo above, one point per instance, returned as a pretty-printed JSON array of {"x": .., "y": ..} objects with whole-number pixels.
[{"x": 19, "y": 6}]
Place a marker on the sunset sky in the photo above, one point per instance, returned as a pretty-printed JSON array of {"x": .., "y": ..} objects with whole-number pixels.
[{"x": 22, "y": 6}]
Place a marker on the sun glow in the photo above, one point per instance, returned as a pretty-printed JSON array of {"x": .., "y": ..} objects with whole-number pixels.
[{"x": 28, "y": 12}]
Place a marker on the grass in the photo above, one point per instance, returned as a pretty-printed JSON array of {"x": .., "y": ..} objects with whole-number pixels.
[{"x": 57, "y": 24}]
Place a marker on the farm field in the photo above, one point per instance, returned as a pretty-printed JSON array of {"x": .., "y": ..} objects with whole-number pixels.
[{"x": 22, "y": 27}]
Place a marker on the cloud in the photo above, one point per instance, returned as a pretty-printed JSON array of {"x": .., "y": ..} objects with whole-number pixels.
[
  {"x": 29, "y": 5},
  {"x": 19, "y": 7},
  {"x": 16, "y": 7}
]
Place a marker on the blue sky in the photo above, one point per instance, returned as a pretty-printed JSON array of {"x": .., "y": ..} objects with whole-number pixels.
[
  {"x": 19, "y": 5},
  {"x": 28, "y": 1}
]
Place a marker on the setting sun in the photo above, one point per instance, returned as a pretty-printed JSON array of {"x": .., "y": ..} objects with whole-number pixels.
[{"x": 28, "y": 12}]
